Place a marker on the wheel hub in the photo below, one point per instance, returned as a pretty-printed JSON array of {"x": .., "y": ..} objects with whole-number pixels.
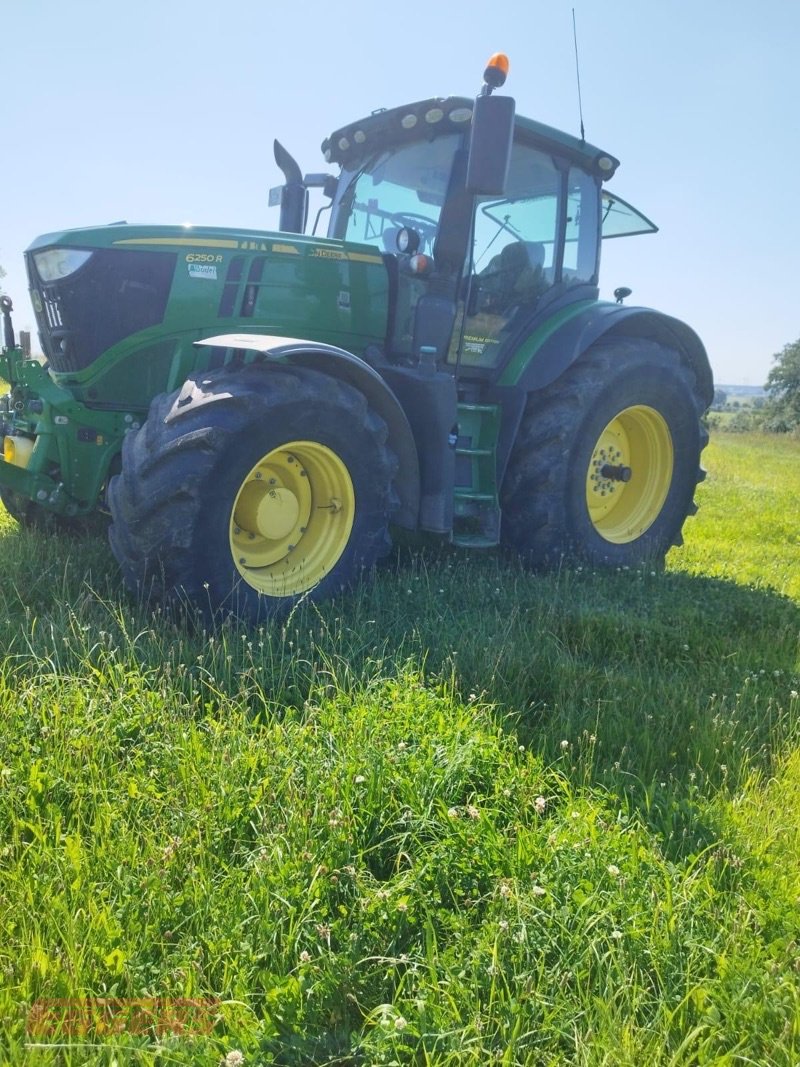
[
  {"x": 616, "y": 474},
  {"x": 275, "y": 514}
]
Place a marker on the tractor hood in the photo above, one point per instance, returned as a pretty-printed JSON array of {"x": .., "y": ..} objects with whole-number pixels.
[{"x": 97, "y": 290}]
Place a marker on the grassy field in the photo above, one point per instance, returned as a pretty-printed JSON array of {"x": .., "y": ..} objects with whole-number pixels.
[{"x": 465, "y": 815}]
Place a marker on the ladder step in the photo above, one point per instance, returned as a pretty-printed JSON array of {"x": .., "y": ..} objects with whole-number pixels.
[
  {"x": 477, "y": 407},
  {"x": 474, "y": 451},
  {"x": 470, "y": 494},
  {"x": 474, "y": 540}
]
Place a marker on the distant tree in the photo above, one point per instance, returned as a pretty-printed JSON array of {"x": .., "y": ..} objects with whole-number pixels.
[
  {"x": 720, "y": 400},
  {"x": 783, "y": 386}
]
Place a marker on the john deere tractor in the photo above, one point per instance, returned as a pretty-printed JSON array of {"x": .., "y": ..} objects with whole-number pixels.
[{"x": 256, "y": 410}]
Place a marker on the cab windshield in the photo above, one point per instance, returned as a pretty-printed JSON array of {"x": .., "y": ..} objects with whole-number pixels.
[{"x": 397, "y": 188}]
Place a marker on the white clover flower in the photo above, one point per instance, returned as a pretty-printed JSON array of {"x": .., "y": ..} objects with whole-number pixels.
[
  {"x": 538, "y": 891},
  {"x": 613, "y": 870},
  {"x": 617, "y": 935},
  {"x": 564, "y": 745},
  {"x": 305, "y": 957},
  {"x": 453, "y": 813},
  {"x": 234, "y": 1058},
  {"x": 400, "y": 1023},
  {"x": 540, "y": 804}
]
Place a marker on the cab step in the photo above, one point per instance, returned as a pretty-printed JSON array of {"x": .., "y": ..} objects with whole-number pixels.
[{"x": 476, "y": 507}]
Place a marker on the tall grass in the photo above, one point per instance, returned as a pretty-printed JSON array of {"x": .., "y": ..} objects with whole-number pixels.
[{"x": 463, "y": 815}]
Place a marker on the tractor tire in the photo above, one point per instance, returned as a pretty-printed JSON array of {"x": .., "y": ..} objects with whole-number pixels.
[
  {"x": 249, "y": 489},
  {"x": 606, "y": 460}
]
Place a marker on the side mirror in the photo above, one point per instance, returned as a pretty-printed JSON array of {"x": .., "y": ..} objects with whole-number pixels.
[{"x": 490, "y": 143}]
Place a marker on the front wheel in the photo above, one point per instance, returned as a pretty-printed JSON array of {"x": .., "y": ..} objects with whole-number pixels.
[
  {"x": 250, "y": 488},
  {"x": 607, "y": 459}
]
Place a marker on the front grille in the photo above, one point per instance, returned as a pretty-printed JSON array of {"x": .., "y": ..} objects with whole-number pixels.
[
  {"x": 116, "y": 293},
  {"x": 52, "y": 310}
]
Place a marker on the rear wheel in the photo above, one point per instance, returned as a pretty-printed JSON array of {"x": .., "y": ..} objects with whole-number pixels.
[
  {"x": 607, "y": 459},
  {"x": 251, "y": 488}
]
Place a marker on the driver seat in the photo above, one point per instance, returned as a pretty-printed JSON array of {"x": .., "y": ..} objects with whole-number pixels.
[{"x": 514, "y": 276}]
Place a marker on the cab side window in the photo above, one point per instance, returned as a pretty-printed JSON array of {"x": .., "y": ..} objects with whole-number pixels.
[
  {"x": 581, "y": 242},
  {"x": 515, "y": 237}
]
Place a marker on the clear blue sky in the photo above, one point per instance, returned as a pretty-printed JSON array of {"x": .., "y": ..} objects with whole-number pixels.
[{"x": 162, "y": 111}]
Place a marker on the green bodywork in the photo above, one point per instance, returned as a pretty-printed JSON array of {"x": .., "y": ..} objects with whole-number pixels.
[
  {"x": 318, "y": 289},
  {"x": 307, "y": 287}
]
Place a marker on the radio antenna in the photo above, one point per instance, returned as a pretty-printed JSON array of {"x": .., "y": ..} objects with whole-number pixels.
[{"x": 578, "y": 73}]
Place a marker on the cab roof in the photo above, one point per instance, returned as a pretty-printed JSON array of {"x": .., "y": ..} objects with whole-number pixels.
[{"x": 431, "y": 118}]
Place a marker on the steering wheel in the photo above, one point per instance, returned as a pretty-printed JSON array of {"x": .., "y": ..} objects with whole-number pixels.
[{"x": 408, "y": 218}]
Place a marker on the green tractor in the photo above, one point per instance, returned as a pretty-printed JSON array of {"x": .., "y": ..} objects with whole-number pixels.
[{"x": 255, "y": 410}]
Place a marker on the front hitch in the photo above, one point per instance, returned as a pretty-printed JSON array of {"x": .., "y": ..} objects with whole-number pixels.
[{"x": 6, "y": 307}]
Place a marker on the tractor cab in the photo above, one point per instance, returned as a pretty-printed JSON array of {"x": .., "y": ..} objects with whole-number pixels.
[{"x": 487, "y": 222}]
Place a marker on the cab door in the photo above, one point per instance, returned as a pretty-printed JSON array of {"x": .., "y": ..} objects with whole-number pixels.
[{"x": 538, "y": 241}]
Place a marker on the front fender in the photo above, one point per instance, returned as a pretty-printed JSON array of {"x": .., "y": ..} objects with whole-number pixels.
[
  {"x": 539, "y": 362},
  {"x": 346, "y": 367}
]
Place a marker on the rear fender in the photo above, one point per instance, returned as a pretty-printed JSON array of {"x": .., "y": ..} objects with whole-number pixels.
[
  {"x": 344, "y": 366},
  {"x": 604, "y": 322}
]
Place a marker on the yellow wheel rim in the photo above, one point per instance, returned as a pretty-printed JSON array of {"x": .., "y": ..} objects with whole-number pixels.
[
  {"x": 629, "y": 474},
  {"x": 292, "y": 518}
]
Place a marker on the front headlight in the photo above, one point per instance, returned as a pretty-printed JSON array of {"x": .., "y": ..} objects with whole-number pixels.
[{"x": 58, "y": 263}]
